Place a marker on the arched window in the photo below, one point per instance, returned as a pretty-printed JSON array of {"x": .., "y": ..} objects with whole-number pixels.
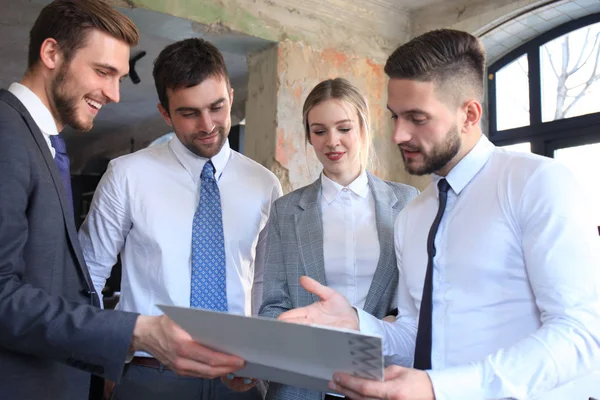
[{"x": 544, "y": 97}]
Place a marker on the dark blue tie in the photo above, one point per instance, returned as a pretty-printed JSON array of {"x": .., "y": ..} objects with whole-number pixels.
[
  {"x": 62, "y": 163},
  {"x": 423, "y": 346},
  {"x": 209, "y": 273}
]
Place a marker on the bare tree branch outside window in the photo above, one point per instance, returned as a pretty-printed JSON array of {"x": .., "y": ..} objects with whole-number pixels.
[{"x": 571, "y": 83}]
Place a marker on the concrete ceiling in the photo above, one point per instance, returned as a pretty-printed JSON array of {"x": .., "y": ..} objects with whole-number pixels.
[
  {"x": 409, "y": 4},
  {"x": 134, "y": 122},
  {"x": 404, "y": 5},
  {"x": 518, "y": 30}
]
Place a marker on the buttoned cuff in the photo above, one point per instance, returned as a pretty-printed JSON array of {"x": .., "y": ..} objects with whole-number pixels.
[{"x": 461, "y": 382}]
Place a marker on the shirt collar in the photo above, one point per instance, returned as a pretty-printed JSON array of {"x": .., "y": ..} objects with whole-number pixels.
[
  {"x": 194, "y": 163},
  {"x": 39, "y": 112},
  {"x": 466, "y": 169},
  {"x": 331, "y": 190}
]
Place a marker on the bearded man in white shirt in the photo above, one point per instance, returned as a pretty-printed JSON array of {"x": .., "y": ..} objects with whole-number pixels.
[
  {"x": 187, "y": 217},
  {"x": 505, "y": 302}
]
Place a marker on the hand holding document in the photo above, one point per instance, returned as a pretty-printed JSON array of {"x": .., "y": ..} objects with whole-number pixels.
[{"x": 298, "y": 355}]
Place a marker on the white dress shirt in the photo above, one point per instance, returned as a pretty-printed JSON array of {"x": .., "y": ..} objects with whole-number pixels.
[
  {"x": 143, "y": 208},
  {"x": 350, "y": 239},
  {"x": 39, "y": 112},
  {"x": 516, "y": 281}
]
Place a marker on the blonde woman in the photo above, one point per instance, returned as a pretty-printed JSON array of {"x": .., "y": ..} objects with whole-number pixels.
[{"x": 339, "y": 229}]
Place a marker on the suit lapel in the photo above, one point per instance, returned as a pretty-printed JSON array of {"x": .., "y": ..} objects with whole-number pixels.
[
  {"x": 385, "y": 202},
  {"x": 309, "y": 231},
  {"x": 42, "y": 145}
]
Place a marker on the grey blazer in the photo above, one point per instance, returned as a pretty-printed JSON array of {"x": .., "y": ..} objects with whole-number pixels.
[
  {"x": 295, "y": 248},
  {"x": 52, "y": 333}
]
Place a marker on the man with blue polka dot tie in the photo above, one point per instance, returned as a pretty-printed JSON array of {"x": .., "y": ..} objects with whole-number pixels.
[{"x": 188, "y": 217}]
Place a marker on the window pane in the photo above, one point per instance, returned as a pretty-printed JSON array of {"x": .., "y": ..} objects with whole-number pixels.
[
  {"x": 584, "y": 161},
  {"x": 512, "y": 95},
  {"x": 571, "y": 74},
  {"x": 524, "y": 147}
]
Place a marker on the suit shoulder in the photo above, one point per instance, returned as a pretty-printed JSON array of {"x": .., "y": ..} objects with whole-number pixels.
[
  {"x": 12, "y": 127},
  {"x": 290, "y": 199},
  {"x": 403, "y": 188},
  {"x": 10, "y": 120}
]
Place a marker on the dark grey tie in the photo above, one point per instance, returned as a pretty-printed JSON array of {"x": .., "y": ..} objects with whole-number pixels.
[{"x": 423, "y": 346}]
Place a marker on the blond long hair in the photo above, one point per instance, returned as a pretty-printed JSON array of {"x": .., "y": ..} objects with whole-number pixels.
[{"x": 341, "y": 89}]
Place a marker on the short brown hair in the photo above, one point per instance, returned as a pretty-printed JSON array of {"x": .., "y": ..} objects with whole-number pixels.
[
  {"x": 69, "y": 21},
  {"x": 341, "y": 89},
  {"x": 185, "y": 64},
  {"x": 453, "y": 60}
]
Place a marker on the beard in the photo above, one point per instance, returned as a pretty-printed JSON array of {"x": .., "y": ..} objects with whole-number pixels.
[
  {"x": 65, "y": 102},
  {"x": 206, "y": 150},
  {"x": 439, "y": 156}
]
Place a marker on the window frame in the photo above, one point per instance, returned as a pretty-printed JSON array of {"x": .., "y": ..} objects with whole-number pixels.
[{"x": 544, "y": 137}]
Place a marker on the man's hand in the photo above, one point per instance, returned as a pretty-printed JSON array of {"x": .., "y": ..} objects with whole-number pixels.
[
  {"x": 332, "y": 310},
  {"x": 399, "y": 384},
  {"x": 176, "y": 349},
  {"x": 238, "y": 384}
]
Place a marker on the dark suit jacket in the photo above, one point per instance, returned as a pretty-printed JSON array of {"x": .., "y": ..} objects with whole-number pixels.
[
  {"x": 295, "y": 248},
  {"x": 52, "y": 333}
]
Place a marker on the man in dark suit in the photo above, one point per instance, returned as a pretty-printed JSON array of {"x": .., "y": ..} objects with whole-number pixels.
[{"x": 52, "y": 333}]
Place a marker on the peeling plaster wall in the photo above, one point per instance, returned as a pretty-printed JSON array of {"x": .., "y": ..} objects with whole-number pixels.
[
  {"x": 299, "y": 69},
  {"x": 261, "y": 112}
]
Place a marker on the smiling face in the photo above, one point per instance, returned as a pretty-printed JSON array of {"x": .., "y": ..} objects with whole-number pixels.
[
  {"x": 81, "y": 87},
  {"x": 201, "y": 115},
  {"x": 425, "y": 128},
  {"x": 335, "y": 134}
]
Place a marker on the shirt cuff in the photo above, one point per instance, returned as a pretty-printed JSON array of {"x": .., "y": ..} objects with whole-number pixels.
[
  {"x": 461, "y": 382},
  {"x": 370, "y": 325}
]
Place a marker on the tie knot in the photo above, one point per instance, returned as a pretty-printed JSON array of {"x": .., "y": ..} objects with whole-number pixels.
[
  {"x": 443, "y": 186},
  {"x": 208, "y": 172},
  {"x": 58, "y": 143}
]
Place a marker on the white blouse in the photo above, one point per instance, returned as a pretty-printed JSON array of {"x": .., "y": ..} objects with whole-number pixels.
[{"x": 350, "y": 239}]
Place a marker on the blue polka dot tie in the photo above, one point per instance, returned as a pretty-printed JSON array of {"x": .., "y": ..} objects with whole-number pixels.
[{"x": 208, "y": 247}]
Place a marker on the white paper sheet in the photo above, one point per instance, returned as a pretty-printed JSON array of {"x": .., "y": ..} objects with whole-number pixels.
[{"x": 292, "y": 354}]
